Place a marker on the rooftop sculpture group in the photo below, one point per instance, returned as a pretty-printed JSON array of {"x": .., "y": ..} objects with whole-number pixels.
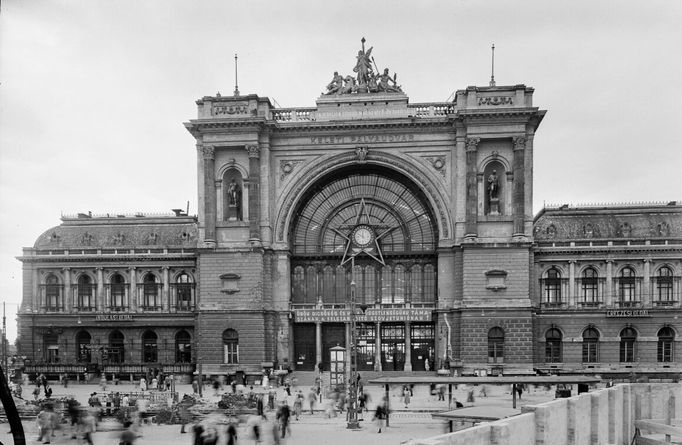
[{"x": 368, "y": 80}]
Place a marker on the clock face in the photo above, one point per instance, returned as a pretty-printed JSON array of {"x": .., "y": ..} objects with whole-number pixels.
[{"x": 362, "y": 235}]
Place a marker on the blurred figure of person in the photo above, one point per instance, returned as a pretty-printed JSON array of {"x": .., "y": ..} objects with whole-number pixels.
[
  {"x": 74, "y": 416},
  {"x": 128, "y": 436},
  {"x": 142, "y": 405},
  {"x": 88, "y": 426},
  {"x": 198, "y": 431},
  {"x": 195, "y": 386},
  {"x": 47, "y": 421},
  {"x": 272, "y": 399},
  {"x": 253, "y": 426},
  {"x": 287, "y": 386},
  {"x": 155, "y": 384},
  {"x": 210, "y": 434},
  {"x": 406, "y": 398},
  {"x": 143, "y": 384},
  {"x": 216, "y": 387},
  {"x": 283, "y": 417},
  {"x": 483, "y": 392},
  {"x": 260, "y": 408},
  {"x": 232, "y": 432},
  {"x": 183, "y": 414},
  {"x": 441, "y": 392},
  {"x": 48, "y": 392},
  {"x": 298, "y": 404},
  {"x": 103, "y": 382},
  {"x": 312, "y": 398},
  {"x": 470, "y": 396},
  {"x": 379, "y": 416},
  {"x": 233, "y": 385},
  {"x": 36, "y": 392}
]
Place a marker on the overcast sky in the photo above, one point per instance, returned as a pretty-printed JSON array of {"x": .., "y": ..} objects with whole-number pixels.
[{"x": 93, "y": 93}]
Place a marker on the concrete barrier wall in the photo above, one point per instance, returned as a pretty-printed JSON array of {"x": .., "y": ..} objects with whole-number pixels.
[{"x": 605, "y": 416}]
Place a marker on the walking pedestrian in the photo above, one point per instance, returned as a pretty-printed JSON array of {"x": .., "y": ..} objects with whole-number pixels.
[
  {"x": 312, "y": 398},
  {"x": 379, "y": 417},
  {"x": 406, "y": 398},
  {"x": 232, "y": 432},
  {"x": 298, "y": 404},
  {"x": 283, "y": 416},
  {"x": 127, "y": 435}
]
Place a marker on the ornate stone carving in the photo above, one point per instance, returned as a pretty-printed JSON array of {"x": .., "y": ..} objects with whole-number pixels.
[
  {"x": 368, "y": 80},
  {"x": 495, "y": 100},
  {"x": 153, "y": 238},
  {"x": 519, "y": 143},
  {"x": 87, "y": 239},
  {"x": 253, "y": 151},
  {"x": 286, "y": 166},
  {"x": 472, "y": 143},
  {"x": 119, "y": 238},
  {"x": 438, "y": 163},
  {"x": 361, "y": 153},
  {"x": 207, "y": 151}
]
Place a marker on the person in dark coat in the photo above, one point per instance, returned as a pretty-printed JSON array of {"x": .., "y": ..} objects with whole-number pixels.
[{"x": 283, "y": 416}]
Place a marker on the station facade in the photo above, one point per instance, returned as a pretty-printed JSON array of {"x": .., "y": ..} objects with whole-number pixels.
[{"x": 419, "y": 212}]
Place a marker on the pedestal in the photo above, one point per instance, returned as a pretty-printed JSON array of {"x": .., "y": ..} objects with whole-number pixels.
[
  {"x": 494, "y": 206},
  {"x": 232, "y": 213}
]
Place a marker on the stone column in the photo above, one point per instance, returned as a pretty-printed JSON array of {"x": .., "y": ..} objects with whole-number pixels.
[
  {"x": 68, "y": 303},
  {"x": 35, "y": 296},
  {"x": 318, "y": 343},
  {"x": 571, "y": 284},
  {"x": 221, "y": 212},
  {"x": 481, "y": 197},
  {"x": 208, "y": 153},
  {"x": 518, "y": 194},
  {"x": 265, "y": 231},
  {"x": 165, "y": 303},
  {"x": 608, "y": 300},
  {"x": 408, "y": 347},
  {"x": 472, "y": 188},
  {"x": 377, "y": 347},
  {"x": 508, "y": 187},
  {"x": 133, "y": 300},
  {"x": 646, "y": 284},
  {"x": 100, "y": 290},
  {"x": 254, "y": 191}
]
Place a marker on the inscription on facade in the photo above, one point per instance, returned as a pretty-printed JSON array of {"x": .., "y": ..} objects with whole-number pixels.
[
  {"x": 114, "y": 317},
  {"x": 371, "y": 315},
  {"x": 368, "y": 138},
  {"x": 230, "y": 109},
  {"x": 626, "y": 313}
]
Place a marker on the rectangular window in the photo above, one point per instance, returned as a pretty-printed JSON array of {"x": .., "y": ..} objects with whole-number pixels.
[
  {"x": 495, "y": 352},
  {"x": 231, "y": 353},
  {"x": 590, "y": 352},
  {"x": 665, "y": 351},
  {"x": 627, "y": 351},
  {"x": 553, "y": 351}
]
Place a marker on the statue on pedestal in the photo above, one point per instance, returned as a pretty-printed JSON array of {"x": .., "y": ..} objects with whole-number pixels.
[
  {"x": 493, "y": 193},
  {"x": 234, "y": 201}
]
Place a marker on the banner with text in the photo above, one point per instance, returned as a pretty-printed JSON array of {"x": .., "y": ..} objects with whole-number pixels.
[{"x": 371, "y": 315}]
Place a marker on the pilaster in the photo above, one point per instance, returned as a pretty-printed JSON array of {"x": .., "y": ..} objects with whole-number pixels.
[
  {"x": 254, "y": 192},
  {"x": 608, "y": 298},
  {"x": 646, "y": 284},
  {"x": 518, "y": 193},
  {"x": 471, "y": 230},
  {"x": 408, "y": 347},
  {"x": 100, "y": 289},
  {"x": 68, "y": 300},
  {"x": 134, "y": 303},
  {"x": 571, "y": 284},
  {"x": 208, "y": 154},
  {"x": 165, "y": 302}
]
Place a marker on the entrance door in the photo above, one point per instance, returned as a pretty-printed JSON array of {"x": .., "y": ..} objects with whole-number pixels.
[
  {"x": 333, "y": 334},
  {"x": 422, "y": 342},
  {"x": 393, "y": 347},
  {"x": 304, "y": 347}
]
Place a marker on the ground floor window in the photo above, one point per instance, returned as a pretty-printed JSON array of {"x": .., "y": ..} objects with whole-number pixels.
[
  {"x": 496, "y": 345},
  {"x": 553, "y": 339},
  {"x": 230, "y": 347},
  {"x": 628, "y": 336},
  {"x": 183, "y": 347},
  {"x": 392, "y": 347},
  {"x": 83, "y": 340},
  {"x": 150, "y": 347},
  {"x": 666, "y": 339},
  {"x": 590, "y": 345},
  {"x": 422, "y": 345},
  {"x": 116, "y": 350},
  {"x": 366, "y": 346}
]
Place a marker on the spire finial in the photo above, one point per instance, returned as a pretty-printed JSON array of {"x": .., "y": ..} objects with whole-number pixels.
[
  {"x": 236, "y": 83},
  {"x": 492, "y": 73}
]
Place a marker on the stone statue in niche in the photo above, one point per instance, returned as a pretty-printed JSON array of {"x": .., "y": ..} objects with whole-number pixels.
[
  {"x": 234, "y": 201},
  {"x": 493, "y": 193}
]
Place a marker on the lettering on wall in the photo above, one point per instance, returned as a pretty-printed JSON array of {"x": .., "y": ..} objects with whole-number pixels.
[
  {"x": 371, "y": 315},
  {"x": 626, "y": 313},
  {"x": 364, "y": 139},
  {"x": 114, "y": 317}
]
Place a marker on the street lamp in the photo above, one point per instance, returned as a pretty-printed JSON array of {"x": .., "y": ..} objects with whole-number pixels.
[{"x": 353, "y": 383}]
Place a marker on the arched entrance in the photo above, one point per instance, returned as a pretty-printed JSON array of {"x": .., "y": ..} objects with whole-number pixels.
[{"x": 381, "y": 222}]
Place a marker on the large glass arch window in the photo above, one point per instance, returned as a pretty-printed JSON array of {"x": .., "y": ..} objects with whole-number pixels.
[
  {"x": 184, "y": 292},
  {"x": 589, "y": 287},
  {"x": 552, "y": 287},
  {"x": 664, "y": 287},
  {"x": 627, "y": 287},
  {"x": 375, "y": 218}
]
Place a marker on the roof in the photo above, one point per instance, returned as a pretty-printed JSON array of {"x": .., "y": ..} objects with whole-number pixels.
[
  {"x": 624, "y": 221},
  {"x": 87, "y": 232},
  {"x": 525, "y": 380}
]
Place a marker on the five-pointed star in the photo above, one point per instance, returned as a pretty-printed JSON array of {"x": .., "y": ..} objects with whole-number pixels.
[{"x": 373, "y": 249}]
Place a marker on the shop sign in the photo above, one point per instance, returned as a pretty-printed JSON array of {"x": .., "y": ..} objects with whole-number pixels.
[
  {"x": 114, "y": 317},
  {"x": 627, "y": 313},
  {"x": 371, "y": 315}
]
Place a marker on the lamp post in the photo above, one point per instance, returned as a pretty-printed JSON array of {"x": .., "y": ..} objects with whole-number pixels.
[{"x": 353, "y": 381}]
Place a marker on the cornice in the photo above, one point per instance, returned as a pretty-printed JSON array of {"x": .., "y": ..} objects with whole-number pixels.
[
  {"x": 361, "y": 124},
  {"x": 551, "y": 251},
  {"x": 117, "y": 259}
]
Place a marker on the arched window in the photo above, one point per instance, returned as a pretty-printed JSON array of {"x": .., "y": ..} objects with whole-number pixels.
[
  {"x": 328, "y": 294},
  {"x": 116, "y": 350},
  {"x": 51, "y": 345},
  {"x": 298, "y": 285},
  {"x": 552, "y": 287},
  {"x": 53, "y": 294},
  {"x": 311, "y": 293},
  {"x": 370, "y": 285},
  {"x": 416, "y": 284},
  {"x": 589, "y": 284},
  {"x": 496, "y": 345},
  {"x": 666, "y": 340},
  {"x": 343, "y": 281},
  {"x": 183, "y": 347},
  {"x": 590, "y": 345},
  {"x": 83, "y": 339},
  {"x": 429, "y": 283},
  {"x": 86, "y": 294},
  {"x": 553, "y": 340},
  {"x": 627, "y": 288},
  {"x": 184, "y": 292},
  {"x": 628, "y": 336},
  {"x": 386, "y": 285},
  {"x": 150, "y": 347},
  {"x": 664, "y": 287},
  {"x": 400, "y": 283},
  {"x": 150, "y": 293},
  {"x": 230, "y": 347},
  {"x": 117, "y": 292}
]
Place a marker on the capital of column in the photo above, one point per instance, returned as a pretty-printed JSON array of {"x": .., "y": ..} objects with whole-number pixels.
[
  {"x": 207, "y": 151},
  {"x": 519, "y": 142},
  {"x": 572, "y": 261},
  {"x": 472, "y": 143},
  {"x": 253, "y": 151},
  {"x": 165, "y": 267},
  {"x": 133, "y": 268}
]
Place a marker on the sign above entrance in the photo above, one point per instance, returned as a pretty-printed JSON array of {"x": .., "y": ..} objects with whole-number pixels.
[
  {"x": 371, "y": 315},
  {"x": 114, "y": 317},
  {"x": 627, "y": 313}
]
